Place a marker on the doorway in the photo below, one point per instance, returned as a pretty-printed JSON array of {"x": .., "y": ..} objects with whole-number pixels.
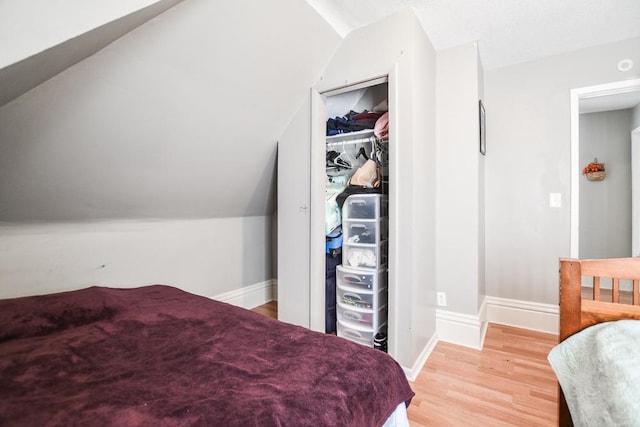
[
  {"x": 369, "y": 97},
  {"x": 606, "y": 97}
]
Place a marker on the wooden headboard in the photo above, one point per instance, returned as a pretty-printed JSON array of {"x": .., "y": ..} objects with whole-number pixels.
[{"x": 577, "y": 313}]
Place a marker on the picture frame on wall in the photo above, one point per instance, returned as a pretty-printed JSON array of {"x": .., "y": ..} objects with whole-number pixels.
[{"x": 483, "y": 128}]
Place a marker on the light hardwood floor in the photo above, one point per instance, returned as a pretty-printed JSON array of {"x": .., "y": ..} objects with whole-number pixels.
[
  {"x": 508, "y": 383},
  {"x": 269, "y": 309}
]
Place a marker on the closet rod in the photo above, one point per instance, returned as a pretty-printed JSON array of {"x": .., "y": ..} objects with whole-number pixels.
[
  {"x": 348, "y": 142},
  {"x": 355, "y": 141}
]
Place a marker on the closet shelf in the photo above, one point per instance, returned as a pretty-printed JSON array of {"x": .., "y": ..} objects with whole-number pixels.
[{"x": 359, "y": 137}]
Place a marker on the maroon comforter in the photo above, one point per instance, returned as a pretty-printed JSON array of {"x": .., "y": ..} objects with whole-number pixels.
[{"x": 160, "y": 356}]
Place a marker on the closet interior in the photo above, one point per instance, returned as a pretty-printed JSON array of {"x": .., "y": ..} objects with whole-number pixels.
[{"x": 356, "y": 213}]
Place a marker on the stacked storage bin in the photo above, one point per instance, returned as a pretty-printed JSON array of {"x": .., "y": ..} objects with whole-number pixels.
[{"x": 362, "y": 278}]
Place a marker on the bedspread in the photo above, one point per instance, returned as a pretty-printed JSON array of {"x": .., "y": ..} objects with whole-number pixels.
[
  {"x": 599, "y": 372},
  {"x": 157, "y": 355}
]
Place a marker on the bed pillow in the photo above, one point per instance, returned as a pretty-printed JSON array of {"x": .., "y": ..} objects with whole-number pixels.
[{"x": 599, "y": 372}]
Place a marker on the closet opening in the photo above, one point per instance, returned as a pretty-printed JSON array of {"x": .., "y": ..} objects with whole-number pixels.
[{"x": 356, "y": 214}]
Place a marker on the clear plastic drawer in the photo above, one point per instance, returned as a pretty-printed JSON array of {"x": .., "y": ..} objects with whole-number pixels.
[
  {"x": 365, "y": 206},
  {"x": 357, "y": 334},
  {"x": 362, "y": 317},
  {"x": 365, "y": 231},
  {"x": 364, "y": 256},
  {"x": 361, "y": 299},
  {"x": 356, "y": 278}
]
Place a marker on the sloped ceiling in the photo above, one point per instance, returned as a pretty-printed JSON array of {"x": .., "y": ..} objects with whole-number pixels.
[
  {"x": 507, "y": 31},
  {"x": 39, "y": 46},
  {"x": 178, "y": 118},
  {"x": 29, "y": 27}
]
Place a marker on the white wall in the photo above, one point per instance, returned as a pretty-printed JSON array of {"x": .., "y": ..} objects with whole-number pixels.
[
  {"x": 423, "y": 263},
  {"x": 482, "y": 253},
  {"x": 177, "y": 119},
  {"x": 156, "y": 156},
  {"x": 206, "y": 257},
  {"x": 460, "y": 180},
  {"x": 528, "y": 157},
  {"x": 605, "y": 206}
]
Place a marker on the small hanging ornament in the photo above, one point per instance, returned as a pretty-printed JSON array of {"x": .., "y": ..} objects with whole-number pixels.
[{"x": 595, "y": 171}]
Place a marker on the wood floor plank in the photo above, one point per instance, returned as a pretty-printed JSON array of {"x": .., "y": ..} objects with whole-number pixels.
[{"x": 508, "y": 383}]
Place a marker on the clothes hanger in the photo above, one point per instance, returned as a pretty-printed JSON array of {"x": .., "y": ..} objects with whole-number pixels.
[
  {"x": 362, "y": 152},
  {"x": 330, "y": 161},
  {"x": 344, "y": 159}
]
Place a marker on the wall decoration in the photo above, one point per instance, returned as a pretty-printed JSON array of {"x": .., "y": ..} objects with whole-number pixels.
[
  {"x": 483, "y": 130},
  {"x": 595, "y": 171}
]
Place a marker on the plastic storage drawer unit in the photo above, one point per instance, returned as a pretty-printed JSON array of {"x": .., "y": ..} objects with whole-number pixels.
[
  {"x": 364, "y": 206},
  {"x": 365, "y": 231}
]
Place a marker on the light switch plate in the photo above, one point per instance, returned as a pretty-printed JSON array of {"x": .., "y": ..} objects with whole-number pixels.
[{"x": 555, "y": 200}]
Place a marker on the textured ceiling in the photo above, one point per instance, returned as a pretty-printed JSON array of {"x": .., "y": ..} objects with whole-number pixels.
[{"x": 508, "y": 31}]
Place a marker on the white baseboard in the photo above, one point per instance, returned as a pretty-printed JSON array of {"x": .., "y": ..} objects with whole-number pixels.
[
  {"x": 251, "y": 296},
  {"x": 523, "y": 314},
  {"x": 413, "y": 372},
  {"x": 469, "y": 330},
  {"x": 462, "y": 329}
]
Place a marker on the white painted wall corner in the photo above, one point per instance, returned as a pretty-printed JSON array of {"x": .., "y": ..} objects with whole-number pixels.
[
  {"x": 470, "y": 331},
  {"x": 413, "y": 372},
  {"x": 463, "y": 329}
]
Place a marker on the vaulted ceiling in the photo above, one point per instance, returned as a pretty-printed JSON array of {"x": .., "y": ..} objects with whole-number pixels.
[
  {"x": 507, "y": 31},
  {"x": 178, "y": 118},
  {"x": 38, "y": 46},
  {"x": 177, "y": 114}
]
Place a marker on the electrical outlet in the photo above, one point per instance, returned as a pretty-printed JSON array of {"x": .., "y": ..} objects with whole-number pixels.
[{"x": 442, "y": 299}]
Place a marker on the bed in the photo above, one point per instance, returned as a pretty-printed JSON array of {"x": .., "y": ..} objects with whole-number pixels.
[
  {"x": 157, "y": 355},
  {"x": 597, "y": 361}
]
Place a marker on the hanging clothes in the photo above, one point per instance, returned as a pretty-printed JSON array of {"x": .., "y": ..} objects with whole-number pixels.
[
  {"x": 367, "y": 175},
  {"x": 381, "y": 127},
  {"x": 333, "y": 213}
]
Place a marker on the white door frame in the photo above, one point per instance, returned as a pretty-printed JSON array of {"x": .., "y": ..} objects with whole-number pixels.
[
  {"x": 576, "y": 95},
  {"x": 635, "y": 192},
  {"x": 317, "y": 211},
  {"x": 316, "y": 233}
]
